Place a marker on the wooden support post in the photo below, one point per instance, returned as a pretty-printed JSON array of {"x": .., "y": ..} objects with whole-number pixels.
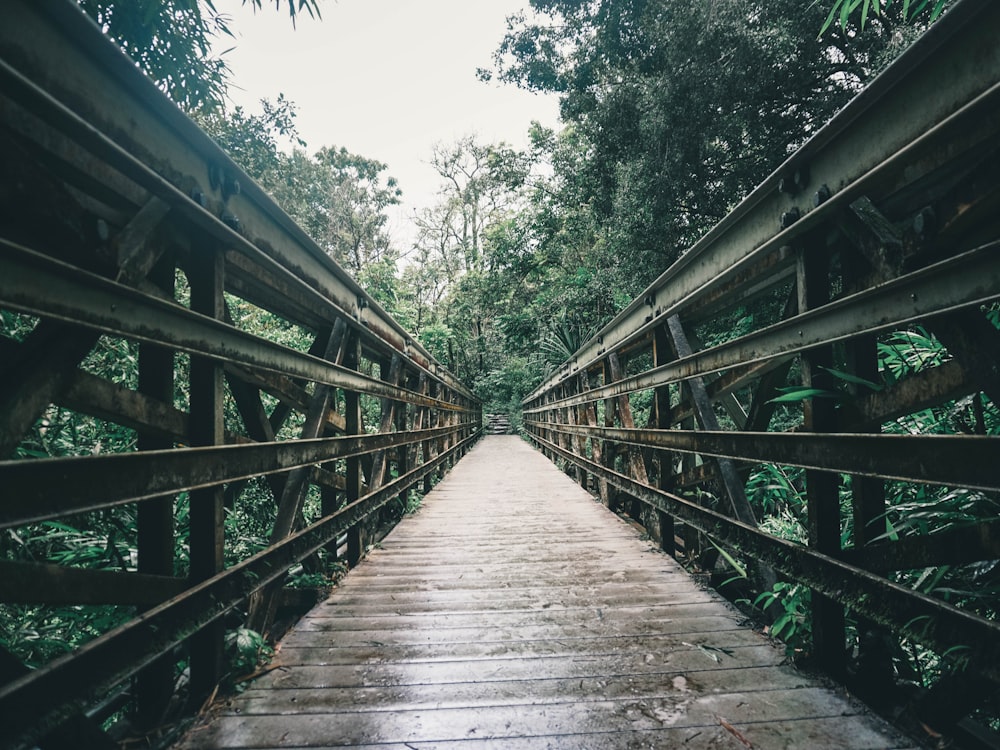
[
  {"x": 207, "y": 533},
  {"x": 154, "y": 685},
  {"x": 430, "y": 446},
  {"x": 588, "y": 416},
  {"x": 637, "y": 467},
  {"x": 609, "y": 493},
  {"x": 263, "y": 605},
  {"x": 876, "y": 247},
  {"x": 732, "y": 485},
  {"x": 405, "y": 421},
  {"x": 356, "y": 540},
  {"x": 663, "y": 353},
  {"x": 572, "y": 388},
  {"x": 822, "y": 488},
  {"x": 380, "y": 463}
]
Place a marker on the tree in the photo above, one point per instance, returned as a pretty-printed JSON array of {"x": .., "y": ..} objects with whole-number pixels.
[
  {"x": 481, "y": 186},
  {"x": 358, "y": 198},
  {"x": 680, "y": 109},
  {"x": 252, "y": 140},
  {"x": 171, "y": 40}
]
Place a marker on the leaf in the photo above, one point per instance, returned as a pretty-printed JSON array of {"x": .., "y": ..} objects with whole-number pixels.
[
  {"x": 729, "y": 559},
  {"x": 801, "y": 394},
  {"x": 851, "y": 378},
  {"x": 829, "y": 19}
]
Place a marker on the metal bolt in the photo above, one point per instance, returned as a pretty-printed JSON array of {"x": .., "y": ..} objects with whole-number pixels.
[
  {"x": 650, "y": 300},
  {"x": 231, "y": 221},
  {"x": 231, "y": 186},
  {"x": 790, "y": 217},
  {"x": 801, "y": 176},
  {"x": 199, "y": 197},
  {"x": 215, "y": 176},
  {"x": 784, "y": 185},
  {"x": 923, "y": 222},
  {"x": 103, "y": 232},
  {"x": 822, "y": 195}
]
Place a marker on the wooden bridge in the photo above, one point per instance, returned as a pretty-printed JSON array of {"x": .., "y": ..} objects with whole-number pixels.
[
  {"x": 857, "y": 289},
  {"x": 513, "y": 611}
]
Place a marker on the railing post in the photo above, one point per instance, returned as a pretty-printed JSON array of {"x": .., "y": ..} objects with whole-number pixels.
[
  {"x": 155, "y": 517},
  {"x": 663, "y": 353},
  {"x": 609, "y": 450},
  {"x": 405, "y": 420},
  {"x": 588, "y": 416},
  {"x": 635, "y": 466},
  {"x": 207, "y": 532},
  {"x": 873, "y": 678},
  {"x": 822, "y": 487},
  {"x": 431, "y": 445},
  {"x": 353, "y": 425}
]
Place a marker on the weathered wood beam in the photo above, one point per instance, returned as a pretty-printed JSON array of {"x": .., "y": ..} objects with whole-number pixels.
[
  {"x": 943, "y": 460},
  {"x": 206, "y": 538},
  {"x": 732, "y": 485},
  {"x": 263, "y": 605},
  {"x": 957, "y": 546},
  {"x": 155, "y": 543},
  {"x": 49, "y": 358},
  {"x": 964, "y": 281},
  {"x": 38, "y": 583},
  {"x": 624, "y": 409},
  {"x": 387, "y": 415}
]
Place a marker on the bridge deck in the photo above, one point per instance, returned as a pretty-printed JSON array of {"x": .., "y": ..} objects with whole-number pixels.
[{"x": 513, "y": 611}]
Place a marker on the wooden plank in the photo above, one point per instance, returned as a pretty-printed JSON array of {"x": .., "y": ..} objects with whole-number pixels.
[
  {"x": 584, "y": 636},
  {"x": 577, "y": 720},
  {"x": 711, "y": 645},
  {"x": 814, "y": 733}
]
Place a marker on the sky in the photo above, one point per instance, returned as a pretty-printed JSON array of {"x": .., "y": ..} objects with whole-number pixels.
[{"x": 386, "y": 79}]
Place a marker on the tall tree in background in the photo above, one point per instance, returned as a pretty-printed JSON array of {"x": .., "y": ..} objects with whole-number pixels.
[{"x": 482, "y": 185}]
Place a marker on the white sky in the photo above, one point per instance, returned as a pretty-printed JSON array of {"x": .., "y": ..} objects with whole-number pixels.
[{"x": 386, "y": 79}]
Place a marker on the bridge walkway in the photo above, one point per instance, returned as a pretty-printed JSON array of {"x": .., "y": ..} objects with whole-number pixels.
[{"x": 514, "y": 611}]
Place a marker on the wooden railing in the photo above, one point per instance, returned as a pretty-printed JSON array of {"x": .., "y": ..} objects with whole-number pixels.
[
  {"x": 132, "y": 251},
  {"x": 783, "y": 344}
]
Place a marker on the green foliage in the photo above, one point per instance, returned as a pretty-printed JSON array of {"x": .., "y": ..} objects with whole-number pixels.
[
  {"x": 38, "y": 633},
  {"x": 842, "y": 11},
  {"x": 171, "y": 41},
  {"x": 253, "y": 140},
  {"x": 792, "y": 625},
  {"x": 245, "y": 651}
]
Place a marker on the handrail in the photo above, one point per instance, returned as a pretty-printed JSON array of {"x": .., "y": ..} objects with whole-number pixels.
[
  {"x": 883, "y": 223},
  {"x": 125, "y": 225}
]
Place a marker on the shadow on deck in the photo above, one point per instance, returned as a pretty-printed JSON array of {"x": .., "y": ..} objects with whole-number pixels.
[{"x": 513, "y": 611}]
